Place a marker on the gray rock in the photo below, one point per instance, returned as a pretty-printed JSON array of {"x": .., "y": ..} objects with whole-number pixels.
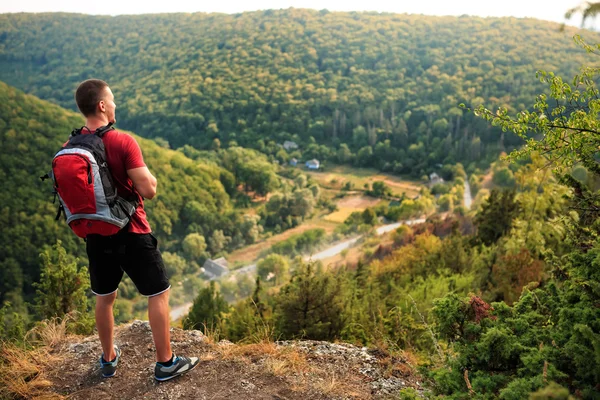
[
  {"x": 387, "y": 386},
  {"x": 197, "y": 336},
  {"x": 138, "y": 325},
  {"x": 248, "y": 386},
  {"x": 83, "y": 348}
]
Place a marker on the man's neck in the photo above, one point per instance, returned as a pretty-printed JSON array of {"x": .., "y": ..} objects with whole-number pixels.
[{"x": 95, "y": 123}]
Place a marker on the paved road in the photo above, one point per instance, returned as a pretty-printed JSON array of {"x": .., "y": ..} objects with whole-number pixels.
[
  {"x": 467, "y": 196},
  {"x": 246, "y": 269},
  {"x": 388, "y": 228},
  {"x": 181, "y": 311},
  {"x": 333, "y": 250}
]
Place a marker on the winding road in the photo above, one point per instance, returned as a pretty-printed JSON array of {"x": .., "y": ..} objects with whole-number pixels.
[
  {"x": 182, "y": 310},
  {"x": 468, "y": 200}
]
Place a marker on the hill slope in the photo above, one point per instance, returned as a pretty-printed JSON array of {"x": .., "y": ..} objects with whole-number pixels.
[
  {"x": 356, "y": 78},
  {"x": 31, "y": 131}
]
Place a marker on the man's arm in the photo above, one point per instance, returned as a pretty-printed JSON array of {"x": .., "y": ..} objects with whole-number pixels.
[{"x": 143, "y": 181}]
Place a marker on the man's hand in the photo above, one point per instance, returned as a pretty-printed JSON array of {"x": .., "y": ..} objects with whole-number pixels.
[{"x": 143, "y": 181}]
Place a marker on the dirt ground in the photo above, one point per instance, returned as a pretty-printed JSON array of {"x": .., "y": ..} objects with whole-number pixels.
[
  {"x": 293, "y": 370},
  {"x": 348, "y": 205},
  {"x": 487, "y": 181},
  {"x": 360, "y": 202}
]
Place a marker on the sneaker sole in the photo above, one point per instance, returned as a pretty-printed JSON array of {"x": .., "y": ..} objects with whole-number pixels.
[{"x": 176, "y": 375}]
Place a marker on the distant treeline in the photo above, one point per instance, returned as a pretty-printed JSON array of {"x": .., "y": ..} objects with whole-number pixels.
[{"x": 369, "y": 89}]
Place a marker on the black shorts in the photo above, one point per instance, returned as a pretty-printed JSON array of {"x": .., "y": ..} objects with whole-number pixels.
[{"x": 133, "y": 253}]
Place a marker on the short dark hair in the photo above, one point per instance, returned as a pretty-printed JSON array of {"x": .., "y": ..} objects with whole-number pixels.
[{"x": 88, "y": 95}]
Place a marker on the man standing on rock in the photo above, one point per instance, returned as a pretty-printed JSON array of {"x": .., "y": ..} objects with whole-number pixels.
[{"x": 134, "y": 249}]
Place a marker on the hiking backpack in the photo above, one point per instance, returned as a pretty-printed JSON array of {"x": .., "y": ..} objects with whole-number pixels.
[{"x": 85, "y": 187}]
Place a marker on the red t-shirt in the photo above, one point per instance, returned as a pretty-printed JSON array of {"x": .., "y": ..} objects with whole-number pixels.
[{"x": 124, "y": 153}]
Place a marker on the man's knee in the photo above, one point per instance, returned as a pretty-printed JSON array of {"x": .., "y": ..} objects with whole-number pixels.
[
  {"x": 161, "y": 296},
  {"x": 106, "y": 300}
]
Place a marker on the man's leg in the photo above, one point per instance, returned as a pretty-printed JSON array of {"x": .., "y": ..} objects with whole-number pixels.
[
  {"x": 105, "y": 322},
  {"x": 158, "y": 312},
  {"x": 160, "y": 322}
]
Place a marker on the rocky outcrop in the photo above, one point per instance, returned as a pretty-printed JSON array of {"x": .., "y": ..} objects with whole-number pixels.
[{"x": 275, "y": 370}]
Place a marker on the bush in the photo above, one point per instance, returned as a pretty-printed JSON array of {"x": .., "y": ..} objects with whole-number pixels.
[
  {"x": 504, "y": 177},
  {"x": 440, "y": 188}
]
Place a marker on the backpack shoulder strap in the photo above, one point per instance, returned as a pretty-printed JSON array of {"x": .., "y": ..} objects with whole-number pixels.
[
  {"x": 103, "y": 129},
  {"x": 100, "y": 131},
  {"x": 77, "y": 131}
]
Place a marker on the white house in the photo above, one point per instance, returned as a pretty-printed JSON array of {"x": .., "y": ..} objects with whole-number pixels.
[
  {"x": 289, "y": 145},
  {"x": 313, "y": 164},
  {"x": 434, "y": 179}
]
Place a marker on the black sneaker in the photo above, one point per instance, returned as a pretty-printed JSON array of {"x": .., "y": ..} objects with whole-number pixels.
[
  {"x": 109, "y": 368},
  {"x": 181, "y": 365}
]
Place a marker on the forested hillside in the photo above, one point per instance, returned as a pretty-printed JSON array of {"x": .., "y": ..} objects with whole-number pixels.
[
  {"x": 370, "y": 89},
  {"x": 190, "y": 194},
  {"x": 509, "y": 311}
]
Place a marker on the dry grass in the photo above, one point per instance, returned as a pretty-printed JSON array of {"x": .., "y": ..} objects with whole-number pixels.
[
  {"x": 50, "y": 332},
  {"x": 207, "y": 357},
  {"x": 252, "y": 351},
  {"x": 487, "y": 180},
  {"x": 336, "y": 176},
  {"x": 340, "y": 215},
  {"x": 287, "y": 361},
  {"x": 350, "y": 204},
  {"x": 22, "y": 373},
  {"x": 333, "y": 385},
  {"x": 23, "y": 368},
  {"x": 394, "y": 361},
  {"x": 264, "y": 333},
  {"x": 212, "y": 334},
  {"x": 278, "y": 360},
  {"x": 357, "y": 202}
]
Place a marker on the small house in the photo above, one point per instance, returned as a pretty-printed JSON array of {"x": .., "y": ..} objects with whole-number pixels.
[
  {"x": 434, "y": 179},
  {"x": 216, "y": 268},
  {"x": 293, "y": 162},
  {"x": 289, "y": 145},
  {"x": 313, "y": 164}
]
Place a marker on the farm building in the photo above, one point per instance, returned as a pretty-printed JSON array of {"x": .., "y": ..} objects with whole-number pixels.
[
  {"x": 289, "y": 145},
  {"x": 313, "y": 164},
  {"x": 434, "y": 179},
  {"x": 215, "y": 268}
]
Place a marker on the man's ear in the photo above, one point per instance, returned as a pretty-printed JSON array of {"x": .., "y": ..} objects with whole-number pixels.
[{"x": 101, "y": 106}]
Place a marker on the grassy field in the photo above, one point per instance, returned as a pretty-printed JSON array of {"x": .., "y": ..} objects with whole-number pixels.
[
  {"x": 331, "y": 181},
  {"x": 336, "y": 176},
  {"x": 348, "y": 205},
  {"x": 250, "y": 253}
]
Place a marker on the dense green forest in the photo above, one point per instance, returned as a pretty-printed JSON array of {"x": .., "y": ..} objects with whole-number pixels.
[{"x": 369, "y": 89}]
